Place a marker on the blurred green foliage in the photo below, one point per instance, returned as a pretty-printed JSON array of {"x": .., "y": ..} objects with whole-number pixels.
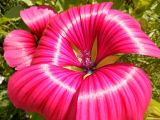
[{"x": 147, "y": 12}]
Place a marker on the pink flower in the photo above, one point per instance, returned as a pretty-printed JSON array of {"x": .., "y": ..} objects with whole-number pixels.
[
  {"x": 112, "y": 92},
  {"x": 20, "y": 45}
]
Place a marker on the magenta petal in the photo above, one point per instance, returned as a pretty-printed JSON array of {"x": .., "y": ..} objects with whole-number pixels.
[
  {"x": 45, "y": 89},
  {"x": 37, "y": 17},
  {"x": 52, "y": 50},
  {"x": 115, "y": 92},
  {"x": 19, "y": 47},
  {"x": 120, "y": 33},
  {"x": 76, "y": 26},
  {"x": 79, "y": 24},
  {"x": 116, "y": 32}
]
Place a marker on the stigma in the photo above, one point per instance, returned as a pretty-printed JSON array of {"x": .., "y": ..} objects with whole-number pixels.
[{"x": 86, "y": 62}]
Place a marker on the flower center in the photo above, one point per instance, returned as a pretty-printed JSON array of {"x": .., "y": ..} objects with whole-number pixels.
[
  {"x": 87, "y": 64},
  {"x": 87, "y": 59}
]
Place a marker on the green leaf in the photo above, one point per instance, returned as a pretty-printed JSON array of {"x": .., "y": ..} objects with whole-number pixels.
[
  {"x": 4, "y": 101},
  {"x": 143, "y": 3},
  {"x": 117, "y": 3},
  {"x": 141, "y": 6},
  {"x": 35, "y": 116},
  {"x": 13, "y": 12},
  {"x": 157, "y": 9},
  {"x": 103, "y": 0},
  {"x": 3, "y": 20},
  {"x": 22, "y": 25},
  {"x": 28, "y": 2},
  {"x": 38, "y": 2},
  {"x": 153, "y": 111},
  {"x": 144, "y": 23}
]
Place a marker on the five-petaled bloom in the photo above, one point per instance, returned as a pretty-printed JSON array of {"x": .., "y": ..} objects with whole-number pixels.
[{"x": 64, "y": 80}]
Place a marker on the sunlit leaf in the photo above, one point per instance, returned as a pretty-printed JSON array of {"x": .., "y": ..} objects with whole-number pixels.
[
  {"x": 153, "y": 112},
  {"x": 28, "y": 2},
  {"x": 141, "y": 6},
  {"x": 3, "y": 20}
]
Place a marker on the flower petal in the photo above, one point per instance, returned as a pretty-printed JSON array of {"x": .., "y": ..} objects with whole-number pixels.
[
  {"x": 19, "y": 47},
  {"x": 120, "y": 33},
  {"x": 45, "y": 89},
  {"x": 115, "y": 92},
  {"x": 79, "y": 24},
  {"x": 52, "y": 50},
  {"x": 75, "y": 26},
  {"x": 37, "y": 18}
]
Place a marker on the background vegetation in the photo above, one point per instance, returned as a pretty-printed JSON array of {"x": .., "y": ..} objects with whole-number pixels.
[{"x": 147, "y": 12}]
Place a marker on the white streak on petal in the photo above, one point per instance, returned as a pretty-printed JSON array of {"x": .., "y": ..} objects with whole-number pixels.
[
  {"x": 128, "y": 31},
  {"x": 109, "y": 90},
  {"x": 45, "y": 69}
]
